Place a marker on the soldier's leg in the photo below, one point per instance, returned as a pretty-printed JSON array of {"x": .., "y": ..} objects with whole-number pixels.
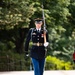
[
  {"x": 35, "y": 66},
  {"x": 41, "y": 66}
]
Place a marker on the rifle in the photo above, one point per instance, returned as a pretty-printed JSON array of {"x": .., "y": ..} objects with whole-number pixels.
[{"x": 44, "y": 26}]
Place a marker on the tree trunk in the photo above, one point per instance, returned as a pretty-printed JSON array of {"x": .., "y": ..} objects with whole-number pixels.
[{"x": 20, "y": 40}]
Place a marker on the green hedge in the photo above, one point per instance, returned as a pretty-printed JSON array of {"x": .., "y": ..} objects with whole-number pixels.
[
  {"x": 53, "y": 63},
  {"x": 10, "y": 61}
]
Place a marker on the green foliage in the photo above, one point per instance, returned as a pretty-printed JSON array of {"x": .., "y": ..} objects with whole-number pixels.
[
  {"x": 53, "y": 63},
  {"x": 10, "y": 60},
  {"x": 60, "y": 20},
  {"x": 14, "y": 13},
  {"x": 62, "y": 47}
]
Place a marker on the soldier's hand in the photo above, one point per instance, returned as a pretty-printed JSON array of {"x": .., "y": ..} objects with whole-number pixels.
[
  {"x": 46, "y": 44},
  {"x": 26, "y": 56}
]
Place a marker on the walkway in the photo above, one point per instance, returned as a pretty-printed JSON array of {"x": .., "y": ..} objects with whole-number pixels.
[{"x": 52, "y": 72}]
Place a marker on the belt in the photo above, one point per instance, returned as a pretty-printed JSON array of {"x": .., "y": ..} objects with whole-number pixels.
[{"x": 38, "y": 44}]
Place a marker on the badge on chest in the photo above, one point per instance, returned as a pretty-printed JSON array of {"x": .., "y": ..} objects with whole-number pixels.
[
  {"x": 33, "y": 33},
  {"x": 42, "y": 35}
]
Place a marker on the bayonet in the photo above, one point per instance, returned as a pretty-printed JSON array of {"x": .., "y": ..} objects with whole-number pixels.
[{"x": 43, "y": 16}]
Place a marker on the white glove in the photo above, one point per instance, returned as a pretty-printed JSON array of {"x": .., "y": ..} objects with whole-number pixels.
[
  {"x": 27, "y": 55},
  {"x": 46, "y": 44}
]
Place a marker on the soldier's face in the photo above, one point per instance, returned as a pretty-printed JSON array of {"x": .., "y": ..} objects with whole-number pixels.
[{"x": 38, "y": 24}]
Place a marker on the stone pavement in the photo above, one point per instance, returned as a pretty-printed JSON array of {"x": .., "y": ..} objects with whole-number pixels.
[{"x": 51, "y": 72}]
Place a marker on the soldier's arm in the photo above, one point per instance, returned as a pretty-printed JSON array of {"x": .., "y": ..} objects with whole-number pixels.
[
  {"x": 47, "y": 36},
  {"x": 47, "y": 40},
  {"x": 27, "y": 41}
]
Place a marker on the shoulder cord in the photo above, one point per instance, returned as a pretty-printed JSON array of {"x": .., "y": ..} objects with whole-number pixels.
[{"x": 31, "y": 33}]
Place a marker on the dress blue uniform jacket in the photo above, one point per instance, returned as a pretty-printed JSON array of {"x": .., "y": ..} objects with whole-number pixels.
[{"x": 37, "y": 52}]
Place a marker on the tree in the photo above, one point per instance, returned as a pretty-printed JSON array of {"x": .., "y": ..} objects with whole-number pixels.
[
  {"x": 14, "y": 20},
  {"x": 61, "y": 27}
]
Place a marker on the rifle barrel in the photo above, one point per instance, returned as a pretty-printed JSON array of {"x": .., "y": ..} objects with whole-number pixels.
[{"x": 43, "y": 16}]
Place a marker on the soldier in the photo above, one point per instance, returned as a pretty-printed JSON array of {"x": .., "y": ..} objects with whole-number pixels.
[{"x": 37, "y": 52}]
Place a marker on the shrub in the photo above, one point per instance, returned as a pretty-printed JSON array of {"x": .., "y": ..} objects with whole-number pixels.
[{"x": 53, "y": 63}]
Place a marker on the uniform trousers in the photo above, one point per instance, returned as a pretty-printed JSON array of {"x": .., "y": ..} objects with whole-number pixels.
[{"x": 38, "y": 66}]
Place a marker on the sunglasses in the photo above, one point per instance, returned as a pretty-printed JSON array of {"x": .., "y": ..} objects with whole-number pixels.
[{"x": 38, "y": 22}]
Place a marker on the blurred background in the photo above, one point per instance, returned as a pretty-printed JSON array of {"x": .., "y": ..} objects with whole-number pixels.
[{"x": 16, "y": 18}]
